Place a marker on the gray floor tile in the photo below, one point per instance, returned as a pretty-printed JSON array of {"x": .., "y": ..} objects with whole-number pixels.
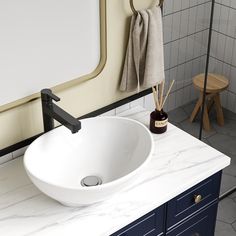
[
  {"x": 233, "y": 195},
  {"x": 227, "y": 211},
  {"x": 205, "y": 141},
  {"x": 229, "y": 128},
  {"x": 177, "y": 115},
  {"x": 229, "y": 114},
  {"x": 231, "y": 170},
  {"x": 193, "y": 129},
  {"x": 176, "y": 124},
  {"x": 188, "y": 108},
  {"x": 234, "y": 227},
  {"x": 224, "y": 229},
  {"x": 223, "y": 143},
  {"x": 227, "y": 183}
]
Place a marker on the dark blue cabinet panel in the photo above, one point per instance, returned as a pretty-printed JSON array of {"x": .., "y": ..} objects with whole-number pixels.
[
  {"x": 184, "y": 205},
  {"x": 201, "y": 224},
  {"x": 152, "y": 224}
]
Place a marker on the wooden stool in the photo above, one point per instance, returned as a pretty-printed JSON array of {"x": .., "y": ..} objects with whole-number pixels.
[{"x": 215, "y": 84}]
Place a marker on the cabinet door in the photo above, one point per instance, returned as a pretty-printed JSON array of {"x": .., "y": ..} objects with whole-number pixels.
[
  {"x": 184, "y": 205},
  {"x": 202, "y": 224},
  {"x": 151, "y": 224}
]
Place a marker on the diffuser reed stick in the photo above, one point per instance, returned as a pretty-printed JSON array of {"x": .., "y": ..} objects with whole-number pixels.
[
  {"x": 167, "y": 94},
  {"x": 162, "y": 85},
  {"x": 159, "y": 103},
  {"x": 155, "y": 96}
]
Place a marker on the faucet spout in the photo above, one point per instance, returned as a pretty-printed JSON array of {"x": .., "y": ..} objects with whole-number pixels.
[{"x": 51, "y": 111}]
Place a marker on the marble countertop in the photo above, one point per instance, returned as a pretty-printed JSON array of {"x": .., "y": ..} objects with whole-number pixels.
[{"x": 179, "y": 162}]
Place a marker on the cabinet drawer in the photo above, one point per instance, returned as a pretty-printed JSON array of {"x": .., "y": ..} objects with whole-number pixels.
[
  {"x": 202, "y": 224},
  {"x": 149, "y": 225},
  {"x": 193, "y": 200}
]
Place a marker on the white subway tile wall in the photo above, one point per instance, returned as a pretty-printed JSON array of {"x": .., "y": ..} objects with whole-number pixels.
[
  {"x": 223, "y": 50},
  {"x": 138, "y": 102},
  {"x": 109, "y": 113},
  {"x": 5, "y": 158},
  {"x": 186, "y": 25},
  {"x": 122, "y": 108},
  {"x": 19, "y": 152}
]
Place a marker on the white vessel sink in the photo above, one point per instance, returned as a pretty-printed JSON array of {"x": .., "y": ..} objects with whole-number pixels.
[{"x": 112, "y": 149}]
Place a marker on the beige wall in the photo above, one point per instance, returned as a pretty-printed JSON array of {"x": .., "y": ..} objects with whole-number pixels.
[{"x": 25, "y": 121}]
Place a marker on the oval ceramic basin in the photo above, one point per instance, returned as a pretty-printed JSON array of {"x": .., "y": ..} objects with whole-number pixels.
[{"x": 111, "y": 148}]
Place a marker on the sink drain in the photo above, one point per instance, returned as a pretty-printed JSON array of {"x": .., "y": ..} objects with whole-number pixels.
[{"x": 90, "y": 181}]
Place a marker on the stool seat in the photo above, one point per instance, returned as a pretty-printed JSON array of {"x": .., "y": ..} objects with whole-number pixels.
[{"x": 215, "y": 84}]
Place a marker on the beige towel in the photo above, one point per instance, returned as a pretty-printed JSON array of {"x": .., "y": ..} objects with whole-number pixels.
[{"x": 144, "y": 61}]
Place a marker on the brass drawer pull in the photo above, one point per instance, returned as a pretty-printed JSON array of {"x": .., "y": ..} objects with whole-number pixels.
[
  {"x": 195, "y": 234},
  {"x": 197, "y": 198}
]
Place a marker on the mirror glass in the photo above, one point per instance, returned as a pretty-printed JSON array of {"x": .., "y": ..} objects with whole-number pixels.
[{"x": 46, "y": 43}]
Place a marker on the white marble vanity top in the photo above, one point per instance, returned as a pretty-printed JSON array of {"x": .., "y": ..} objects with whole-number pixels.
[{"x": 179, "y": 162}]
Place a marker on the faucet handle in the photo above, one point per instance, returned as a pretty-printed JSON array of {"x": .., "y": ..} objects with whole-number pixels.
[{"x": 46, "y": 95}]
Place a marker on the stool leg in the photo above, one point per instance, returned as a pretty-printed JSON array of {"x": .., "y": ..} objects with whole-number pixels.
[
  {"x": 196, "y": 109},
  {"x": 210, "y": 104},
  {"x": 206, "y": 121},
  {"x": 219, "y": 111}
]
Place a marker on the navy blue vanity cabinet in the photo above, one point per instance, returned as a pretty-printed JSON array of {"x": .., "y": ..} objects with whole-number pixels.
[
  {"x": 200, "y": 224},
  {"x": 192, "y": 213},
  {"x": 152, "y": 224}
]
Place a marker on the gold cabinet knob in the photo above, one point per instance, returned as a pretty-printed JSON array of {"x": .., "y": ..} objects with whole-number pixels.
[
  {"x": 195, "y": 234},
  {"x": 197, "y": 198}
]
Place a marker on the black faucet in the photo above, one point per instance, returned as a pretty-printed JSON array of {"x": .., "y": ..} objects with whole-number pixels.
[{"x": 52, "y": 111}]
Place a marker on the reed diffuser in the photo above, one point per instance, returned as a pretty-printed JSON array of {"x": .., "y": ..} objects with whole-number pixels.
[{"x": 159, "y": 118}]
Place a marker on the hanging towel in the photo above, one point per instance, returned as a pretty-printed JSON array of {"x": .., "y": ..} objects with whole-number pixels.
[{"x": 144, "y": 61}]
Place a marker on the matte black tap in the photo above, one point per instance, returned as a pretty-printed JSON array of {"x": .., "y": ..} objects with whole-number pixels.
[{"x": 51, "y": 111}]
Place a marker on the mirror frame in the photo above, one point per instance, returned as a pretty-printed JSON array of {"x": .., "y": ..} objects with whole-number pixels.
[{"x": 73, "y": 82}]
